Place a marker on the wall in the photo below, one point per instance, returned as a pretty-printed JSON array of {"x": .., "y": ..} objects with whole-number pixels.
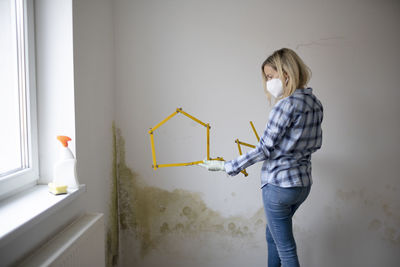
[
  {"x": 55, "y": 81},
  {"x": 94, "y": 97},
  {"x": 77, "y": 73},
  {"x": 205, "y": 57}
]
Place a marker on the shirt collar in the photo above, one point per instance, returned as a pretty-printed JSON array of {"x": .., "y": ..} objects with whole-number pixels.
[{"x": 306, "y": 90}]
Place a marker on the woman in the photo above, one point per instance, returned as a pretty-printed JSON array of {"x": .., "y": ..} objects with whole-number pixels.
[{"x": 292, "y": 134}]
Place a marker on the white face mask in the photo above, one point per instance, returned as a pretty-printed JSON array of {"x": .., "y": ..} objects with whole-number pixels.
[{"x": 275, "y": 87}]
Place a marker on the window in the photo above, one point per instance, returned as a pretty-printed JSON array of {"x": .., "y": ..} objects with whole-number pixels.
[{"x": 18, "y": 132}]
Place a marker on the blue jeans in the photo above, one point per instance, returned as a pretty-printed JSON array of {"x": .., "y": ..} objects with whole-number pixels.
[{"x": 280, "y": 205}]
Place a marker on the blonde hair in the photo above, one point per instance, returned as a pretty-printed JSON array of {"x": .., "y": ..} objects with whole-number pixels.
[{"x": 286, "y": 61}]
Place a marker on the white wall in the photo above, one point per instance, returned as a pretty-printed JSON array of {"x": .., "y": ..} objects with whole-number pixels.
[
  {"x": 94, "y": 96},
  {"x": 55, "y": 81},
  {"x": 82, "y": 71},
  {"x": 205, "y": 57}
]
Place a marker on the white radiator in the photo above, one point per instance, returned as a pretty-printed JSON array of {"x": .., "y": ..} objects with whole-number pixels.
[{"x": 80, "y": 244}]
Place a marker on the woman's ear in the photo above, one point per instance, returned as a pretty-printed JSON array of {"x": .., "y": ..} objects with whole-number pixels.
[{"x": 286, "y": 77}]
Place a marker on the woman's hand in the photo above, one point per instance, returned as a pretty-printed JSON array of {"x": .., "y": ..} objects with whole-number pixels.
[{"x": 213, "y": 165}]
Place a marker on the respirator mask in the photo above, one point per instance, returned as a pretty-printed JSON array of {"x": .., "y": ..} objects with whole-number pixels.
[{"x": 275, "y": 87}]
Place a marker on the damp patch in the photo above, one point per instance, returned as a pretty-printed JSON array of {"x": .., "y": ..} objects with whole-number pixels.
[{"x": 153, "y": 215}]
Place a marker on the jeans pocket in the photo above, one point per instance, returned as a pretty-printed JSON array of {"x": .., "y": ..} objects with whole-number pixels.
[
  {"x": 285, "y": 196},
  {"x": 271, "y": 194}
]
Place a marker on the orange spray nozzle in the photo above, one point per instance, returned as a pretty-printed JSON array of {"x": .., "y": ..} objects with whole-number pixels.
[{"x": 63, "y": 139}]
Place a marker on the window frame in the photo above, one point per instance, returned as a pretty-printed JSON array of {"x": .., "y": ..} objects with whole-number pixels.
[{"x": 29, "y": 176}]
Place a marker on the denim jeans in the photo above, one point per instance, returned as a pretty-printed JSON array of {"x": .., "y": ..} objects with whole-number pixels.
[{"x": 280, "y": 205}]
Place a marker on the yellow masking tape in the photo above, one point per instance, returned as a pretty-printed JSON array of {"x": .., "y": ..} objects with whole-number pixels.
[
  {"x": 193, "y": 118},
  {"x": 238, "y": 144},
  {"x": 153, "y": 151},
  {"x": 255, "y": 132},
  {"x": 179, "y": 164},
  {"x": 162, "y": 122},
  {"x": 208, "y": 141},
  {"x": 246, "y": 144},
  {"x": 179, "y": 110}
]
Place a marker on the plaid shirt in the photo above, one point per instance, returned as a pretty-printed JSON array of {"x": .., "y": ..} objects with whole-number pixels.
[{"x": 292, "y": 134}]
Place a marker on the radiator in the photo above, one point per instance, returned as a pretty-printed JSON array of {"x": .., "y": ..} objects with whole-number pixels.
[{"x": 80, "y": 244}]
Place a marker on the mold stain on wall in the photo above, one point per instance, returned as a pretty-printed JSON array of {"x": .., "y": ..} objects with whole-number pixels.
[
  {"x": 112, "y": 242},
  {"x": 388, "y": 225},
  {"x": 152, "y": 215}
]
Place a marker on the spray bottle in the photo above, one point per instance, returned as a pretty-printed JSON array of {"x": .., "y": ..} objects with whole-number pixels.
[{"x": 65, "y": 169}]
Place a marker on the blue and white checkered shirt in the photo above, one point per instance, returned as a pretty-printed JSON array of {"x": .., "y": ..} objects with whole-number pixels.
[{"x": 292, "y": 134}]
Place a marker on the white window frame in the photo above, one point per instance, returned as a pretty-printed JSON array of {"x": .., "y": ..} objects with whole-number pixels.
[{"x": 28, "y": 177}]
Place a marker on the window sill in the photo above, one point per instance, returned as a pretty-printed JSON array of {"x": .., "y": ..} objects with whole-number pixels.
[{"x": 22, "y": 211}]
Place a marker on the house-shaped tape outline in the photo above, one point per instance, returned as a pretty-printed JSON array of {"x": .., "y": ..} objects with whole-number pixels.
[{"x": 207, "y": 125}]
